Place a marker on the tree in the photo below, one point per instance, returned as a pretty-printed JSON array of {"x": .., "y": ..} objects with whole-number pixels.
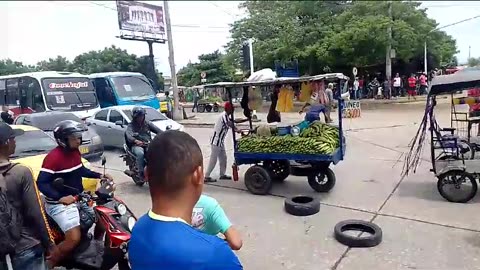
[
  {"x": 473, "y": 62},
  {"x": 8, "y": 67},
  {"x": 213, "y": 64},
  {"x": 59, "y": 63},
  {"x": 107, "y": 60},
  {"x": 336, "y": 34}
]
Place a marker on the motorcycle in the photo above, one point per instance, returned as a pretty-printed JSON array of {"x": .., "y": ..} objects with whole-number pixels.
[
  {"x": 113, "y": 215},
  {"x": 131, "y": 161}
]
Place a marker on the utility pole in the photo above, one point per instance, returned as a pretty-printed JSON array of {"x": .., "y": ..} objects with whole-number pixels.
[
  {"x": 388, "y": 60},
  {"x": 469, "y": 49},
  {"x": 177, "y": 113},
  {"x": 250, "y": 46}
]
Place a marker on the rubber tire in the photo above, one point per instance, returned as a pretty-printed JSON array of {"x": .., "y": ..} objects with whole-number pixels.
[
  {"x": 208, "y": 108},
  {"x": 470, "y": 177},
  {"x": 250, "y": 178},
  {"x": 331, "y": 180},
  {"x": 296, "y": 208},
  {"x": 215, "y": 108},
  {"x": 201, "y": 108},
  {"x": 359, "y": 225},
  {"x": 278, "y": 177}
]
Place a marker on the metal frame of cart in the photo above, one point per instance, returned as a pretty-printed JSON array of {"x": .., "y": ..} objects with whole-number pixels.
[{"x": 275, "y": 167}]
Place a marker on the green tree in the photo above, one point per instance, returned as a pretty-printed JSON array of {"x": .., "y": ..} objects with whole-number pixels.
[
  {"x": 336, "y": 34},
  {"x": 107, "y": 60},
  {"x": 59, "y": 63},
  {"x": 473, "y": 62},
  {"x": 213, "y": 64},
  {"x": 8, "y": 67}
]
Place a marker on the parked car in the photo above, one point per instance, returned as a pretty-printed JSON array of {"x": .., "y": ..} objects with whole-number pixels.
[
  {"x": 111, "y": 123},
  {"x": 33, "y": 146},
  {"x": 92, "y": 145}
]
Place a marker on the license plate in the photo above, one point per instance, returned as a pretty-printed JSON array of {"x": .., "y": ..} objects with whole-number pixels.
[{"x": 83, "y": 150}]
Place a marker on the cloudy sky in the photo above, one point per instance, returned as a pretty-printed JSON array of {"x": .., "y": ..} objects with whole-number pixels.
[{"x": 34, "y": 31}]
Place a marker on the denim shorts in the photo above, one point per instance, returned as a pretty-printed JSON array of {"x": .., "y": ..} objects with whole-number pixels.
[{"x": 31, "y": 259}]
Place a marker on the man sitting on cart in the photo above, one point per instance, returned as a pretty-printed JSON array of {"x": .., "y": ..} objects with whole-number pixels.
[{"x": 217, "y": 143}]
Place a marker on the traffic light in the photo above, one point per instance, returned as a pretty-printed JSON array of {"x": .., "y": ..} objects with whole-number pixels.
[{"x": 246, "y": 56}]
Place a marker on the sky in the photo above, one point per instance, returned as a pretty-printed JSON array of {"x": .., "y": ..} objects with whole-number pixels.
[{"x": 35, "y": 31}]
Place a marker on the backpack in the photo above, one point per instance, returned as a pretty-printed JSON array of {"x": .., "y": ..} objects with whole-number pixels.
[{"x": 10, "y": 219}]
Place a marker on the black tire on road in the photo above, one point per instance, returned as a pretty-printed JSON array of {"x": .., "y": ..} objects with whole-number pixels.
[
  {"x": 302, "y": 205},
  {"x": 258, "y": 180},
  {"x": 322, "y": 181},
  {"x": 370, "y": 240},
  {"x": 279, "y": 169},
  {"x": 215, "y": 108},
  {"x": 208, "y": 108},
  {"x": 201, "y": 108},
  {"x": 457, "y": 178}
]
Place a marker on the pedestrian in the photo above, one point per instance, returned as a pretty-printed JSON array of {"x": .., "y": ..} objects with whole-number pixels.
[
  {"x": 217, "y": 143},
  {"x": 397, "y": 84},
  {"x": 423, "y": 83},
  {"x": 355, "y": 88},
  {"x": 164, "y": 237},
  {"x": 168, "y": 99},
  {"x": 412, "y": 83},
  {"x": 361, "y": 88},
  {"x": 386, "y": 89},
  {"x": 24, "y": 230},
  {"x": 196, "y": 97},
  {"x": 374, "y": 87}
]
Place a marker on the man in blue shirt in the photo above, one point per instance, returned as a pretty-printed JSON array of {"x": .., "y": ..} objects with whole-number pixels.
[{"x": 164, "y": 238}]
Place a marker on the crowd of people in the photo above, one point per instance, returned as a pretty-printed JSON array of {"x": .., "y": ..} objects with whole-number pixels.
[{"x": 399, "y": 86}]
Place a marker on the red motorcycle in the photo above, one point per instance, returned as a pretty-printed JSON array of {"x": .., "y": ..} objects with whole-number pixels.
[{"x": 110, "y": 213}]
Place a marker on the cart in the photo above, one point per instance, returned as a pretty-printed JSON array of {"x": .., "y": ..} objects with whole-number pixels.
[
  {"x": 451, "y": 153},
  {"x": 267, "y": 168}
]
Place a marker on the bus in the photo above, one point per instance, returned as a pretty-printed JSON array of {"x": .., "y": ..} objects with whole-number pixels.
[
  {"x": 124, "y": 88},
  {"x": 49, "y": 91}
]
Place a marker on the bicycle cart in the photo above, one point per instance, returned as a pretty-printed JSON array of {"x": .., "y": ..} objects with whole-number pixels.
[
  {"x": 267, "y": 168},
  {"x": 452, "y": 151}
]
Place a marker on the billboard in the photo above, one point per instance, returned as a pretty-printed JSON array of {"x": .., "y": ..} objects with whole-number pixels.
[{"x": 141, "y": 17}]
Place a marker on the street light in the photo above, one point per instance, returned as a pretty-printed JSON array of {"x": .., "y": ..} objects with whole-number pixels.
[{"x": 438, "y": 28}]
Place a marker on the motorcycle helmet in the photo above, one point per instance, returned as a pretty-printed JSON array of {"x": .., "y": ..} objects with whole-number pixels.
[
  {"x": 138, "y": 112},
  {"x": 65, "y": 129}
]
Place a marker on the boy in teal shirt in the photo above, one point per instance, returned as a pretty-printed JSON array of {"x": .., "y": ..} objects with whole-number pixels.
[{"x": 209, "y": 217}]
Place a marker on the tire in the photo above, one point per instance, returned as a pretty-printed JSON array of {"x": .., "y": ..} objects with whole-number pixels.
[
  {"x": 258, "y": 180},
  {"x": 322, "y": 181},
  {"x": 215, "y": 108},
  {"x": 279, "y": 169},
  {"x": 371, "y": 240},
  {"x": 302, "y": 205},
  {"x": 208, "y": 108},
  {"x": 201, "y": 108},
  {"x": 455, "y": 177}
]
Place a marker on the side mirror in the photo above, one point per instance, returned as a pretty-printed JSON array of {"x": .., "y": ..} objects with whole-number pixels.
[
  {"x": 104, "y": 160},
  {"x": 58, "y": 183},
  {"x": 119, "y": 123}
]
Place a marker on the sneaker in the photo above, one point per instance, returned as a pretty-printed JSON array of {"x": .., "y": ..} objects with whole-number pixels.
[
  {"x": 225, "y": 177},
  {"x": 208, "y": 179}
]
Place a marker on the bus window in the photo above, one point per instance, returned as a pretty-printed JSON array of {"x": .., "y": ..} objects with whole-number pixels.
[
  {"x": 31, "y": 94},
  {"x": 132, "y": 86},
  {"x": 3, "y": 90},
  {"x": 12, "y": 97},
  {"x": 104, "y": 93}
]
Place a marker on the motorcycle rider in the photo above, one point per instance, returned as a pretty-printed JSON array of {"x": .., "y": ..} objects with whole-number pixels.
[
  {"x": 138, "y": 135},
  {"x": 65, "y": 162}
]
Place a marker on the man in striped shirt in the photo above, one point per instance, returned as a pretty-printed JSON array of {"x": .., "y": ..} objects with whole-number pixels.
[{"x": 217, "y": 143}]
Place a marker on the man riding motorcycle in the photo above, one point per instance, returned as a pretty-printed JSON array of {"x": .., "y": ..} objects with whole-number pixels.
[
  {"x": 138, "y": 135},
  {"x": 65, "y": 162}
]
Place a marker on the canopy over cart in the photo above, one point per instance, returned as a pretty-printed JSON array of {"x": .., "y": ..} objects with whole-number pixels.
[
  {"x": 270, "y": 166},
  {"x": 452, "y": 152}
]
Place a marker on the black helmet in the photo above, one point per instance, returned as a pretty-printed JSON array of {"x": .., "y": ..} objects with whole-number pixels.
[
  {"x": 138, "y": 112},
  {"x": 64, "y": 129}
]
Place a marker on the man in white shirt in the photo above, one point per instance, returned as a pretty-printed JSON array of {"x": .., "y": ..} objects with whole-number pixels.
[
  {"x": 355, "y": 88},
  {"x": 397, "y": 84}
]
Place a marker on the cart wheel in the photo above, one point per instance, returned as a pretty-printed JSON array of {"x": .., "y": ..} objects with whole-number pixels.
[
  {"x": 279, "y": 169},
  {"x": 322, "y": 181},
  {"x": 208, "y": 108},
  {"x": 457, "y": 186},
  {"x": 215, "y": 108},
  {"x": 201, "y": 108},
  {"x": 258, "y": 180}
]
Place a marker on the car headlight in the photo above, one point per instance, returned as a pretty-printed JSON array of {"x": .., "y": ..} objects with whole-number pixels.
[
  {"x": 96, "y": 140},
  {"x": 122, "y": 209},
  {"x": 131, "y": 223}
]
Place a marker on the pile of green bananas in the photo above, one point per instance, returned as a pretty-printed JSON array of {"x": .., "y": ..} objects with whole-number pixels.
[{"x": 318, "y": 138}]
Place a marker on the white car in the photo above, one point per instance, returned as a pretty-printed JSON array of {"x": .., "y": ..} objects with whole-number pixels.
[{"x": 111, "y": 123}]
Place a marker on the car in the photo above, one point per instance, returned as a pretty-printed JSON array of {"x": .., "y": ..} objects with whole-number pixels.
[
  {"x": 92, "y": 145},
  {"x": 111, "y": 123},
  {"x": 32, "y": 147}
]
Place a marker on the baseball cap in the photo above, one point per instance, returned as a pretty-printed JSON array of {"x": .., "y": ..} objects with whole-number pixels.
[{"x": 7, "y": 132}]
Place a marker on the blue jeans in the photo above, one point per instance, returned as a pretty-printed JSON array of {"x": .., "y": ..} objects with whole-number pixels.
[
  {"x": 31, "y": 259},
  {"x": 140, "y": 157}
]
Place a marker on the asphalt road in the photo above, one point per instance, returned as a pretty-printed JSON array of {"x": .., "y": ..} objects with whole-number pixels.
[{"x": 420, "y": 229}]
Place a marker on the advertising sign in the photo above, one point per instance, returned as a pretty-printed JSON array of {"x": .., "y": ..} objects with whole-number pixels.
[
  {"x": 351, "y": 109},
  {"x": 141, "y": 17}
]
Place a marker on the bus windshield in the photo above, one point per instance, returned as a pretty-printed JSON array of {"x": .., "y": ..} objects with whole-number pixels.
[
  {"x": 133, "y": 87},
  {"x": 69, "y": 94}
]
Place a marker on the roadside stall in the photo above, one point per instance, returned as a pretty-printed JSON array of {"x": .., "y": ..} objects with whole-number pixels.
[
  {"x": 452, "y": 149},
  {"x": 274, "y": 152}
]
